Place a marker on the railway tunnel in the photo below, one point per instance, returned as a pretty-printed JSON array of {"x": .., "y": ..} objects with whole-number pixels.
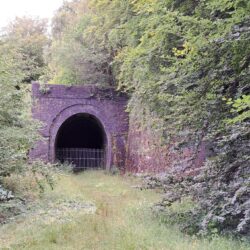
[
  {"x": 86, "y": 126},
  {"x": 81, "y": 141}
]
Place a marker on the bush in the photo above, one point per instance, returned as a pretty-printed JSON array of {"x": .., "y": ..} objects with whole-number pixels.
[
  {"x": 18, "y": 131},
  {"x": 220, "y": 191},
  {"x": 31, "y": 183}
]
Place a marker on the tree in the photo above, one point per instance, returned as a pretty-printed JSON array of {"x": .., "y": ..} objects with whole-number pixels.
[
  {"x": 76, "y": 56},
  {"x": 21, "y": 60},
  {"x": 17, "y": 130},
  {"x": 181, "y": 61},
  {"x": 28, "y": 37}
]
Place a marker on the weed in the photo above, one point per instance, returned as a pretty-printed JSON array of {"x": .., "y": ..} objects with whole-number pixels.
[{"x": 123, "y": 220}]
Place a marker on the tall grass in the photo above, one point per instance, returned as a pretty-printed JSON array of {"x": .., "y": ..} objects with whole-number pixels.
[{"x": 122, "y": 220}]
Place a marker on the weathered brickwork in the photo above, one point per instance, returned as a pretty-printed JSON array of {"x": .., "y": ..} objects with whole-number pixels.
[
  {"x": 130, "y": 148},
  {"x": 145, "y": 154},
  {"x": 54, "y": 104}
]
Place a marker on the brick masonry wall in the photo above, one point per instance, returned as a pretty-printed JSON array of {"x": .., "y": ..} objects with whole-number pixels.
[
  {"x": 54, "y": 104},
  {"x": 129, "y": 147},
  {"x": 145, "y": 154}
]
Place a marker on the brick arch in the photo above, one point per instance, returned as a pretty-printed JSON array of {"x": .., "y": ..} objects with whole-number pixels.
[
  {"x": 70, "y": 111},
  {"x": 53, "y": 107}
]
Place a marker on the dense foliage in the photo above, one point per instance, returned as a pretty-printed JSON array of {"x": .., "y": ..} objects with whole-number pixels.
[
  {"x": 186, "y": 66},
  {"x": 27, "y": 39},
  {"x": 76, "y": 56},
  {"x": 21, "y": 60}
]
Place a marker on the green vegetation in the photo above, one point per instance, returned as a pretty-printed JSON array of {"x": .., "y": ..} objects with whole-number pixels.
[
  {"x": 21, "y": 61},
  {"x": 185, "y": 65},
  {"x": 123, "y": 219}
]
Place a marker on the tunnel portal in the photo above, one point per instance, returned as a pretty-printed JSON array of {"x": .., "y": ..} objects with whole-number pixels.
[
  {"x": 81, "y": 141},
  {"x": 85, "y": 125}
]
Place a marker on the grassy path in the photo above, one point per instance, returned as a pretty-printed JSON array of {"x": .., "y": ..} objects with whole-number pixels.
[{"x": 97, "y": 211}]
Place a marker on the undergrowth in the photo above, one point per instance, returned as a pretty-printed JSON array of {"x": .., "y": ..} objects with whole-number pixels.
[{"x": 123, "y": 219}]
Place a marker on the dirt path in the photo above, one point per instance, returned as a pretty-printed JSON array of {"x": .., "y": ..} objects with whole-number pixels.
[{"x": 93, "y": 210}]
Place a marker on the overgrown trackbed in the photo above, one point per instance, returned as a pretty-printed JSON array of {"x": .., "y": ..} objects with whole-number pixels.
[{"x": 93, "y": 210}]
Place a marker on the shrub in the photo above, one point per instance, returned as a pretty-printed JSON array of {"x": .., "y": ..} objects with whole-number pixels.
[{"x": 220, "y": 191}]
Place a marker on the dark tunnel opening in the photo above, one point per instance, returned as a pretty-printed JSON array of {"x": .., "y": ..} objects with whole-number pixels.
[{"x": 81, "y": 141}]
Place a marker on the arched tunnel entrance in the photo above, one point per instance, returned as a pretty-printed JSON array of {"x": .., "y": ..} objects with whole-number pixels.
[{"x": 81, "y": 141}]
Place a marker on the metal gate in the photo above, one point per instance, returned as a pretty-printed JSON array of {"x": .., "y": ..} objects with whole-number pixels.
[{"x": 82, "y": 158}]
